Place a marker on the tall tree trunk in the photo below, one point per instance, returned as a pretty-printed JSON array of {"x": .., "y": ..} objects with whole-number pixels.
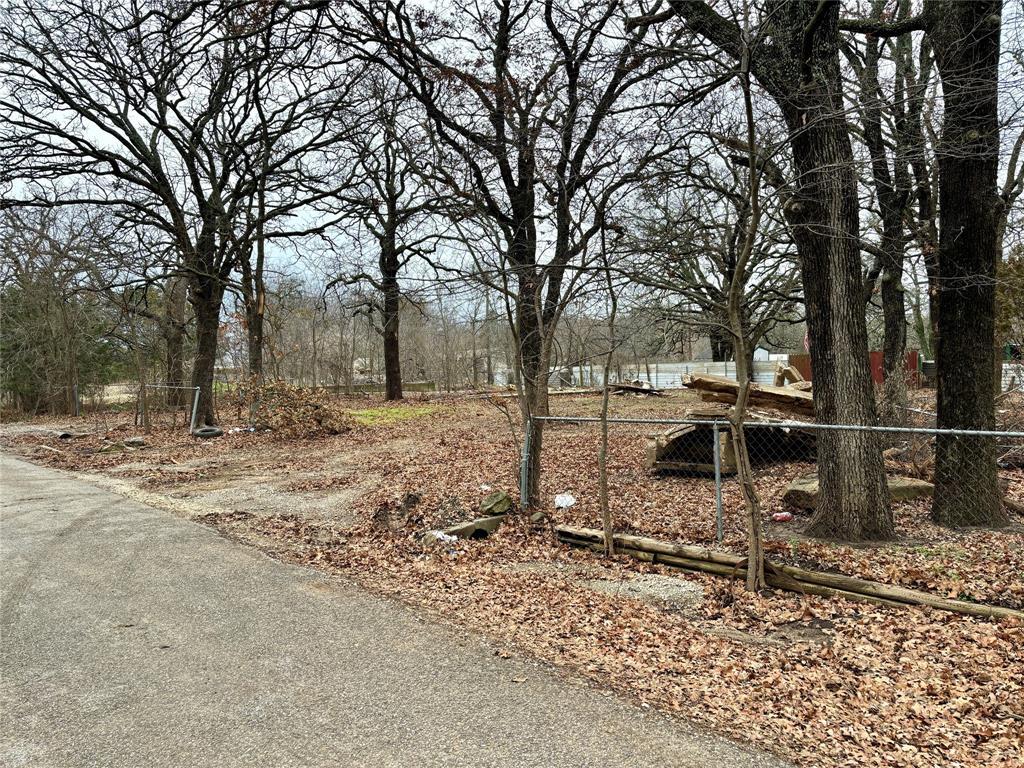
[
  {"x": 892, "y": 188},
  {"x": 894, "y": 319},
  {"x": 854, "y": 500},
  {"x": 174, "y": 341},
  {"x": 254, "y": 338},
  {"x": 755, "y": 580},
  {"x": 965, "y": 37},
  {"x": 533, "y": 365},
  {"x": 206, "y": 296},
  {"x": 254, "y": 300},
  {"x": 392, "y": 351},
  {"x": 607, "y": 525},
  {"x": 392, "y": 301},
  {"x": 798, "y": 63},
  {"x": 824, "y": 216}
]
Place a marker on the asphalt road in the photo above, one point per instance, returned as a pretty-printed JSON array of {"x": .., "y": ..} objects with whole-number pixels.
[{"x": 130, "y": 637}]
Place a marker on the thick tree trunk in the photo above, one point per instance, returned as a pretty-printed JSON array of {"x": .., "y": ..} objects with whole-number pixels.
[
  {"x": 206, "y": 297},
  {"x": 854, "y": 499},
  {"x": 894, "y": 318},
  {"x": 721, "y": 344},
  {"x": 174, "y": 341},
  {"x": 533, "y": 363},
  {"x": 392, "y": 352},
  {"x": 965, "y": 37},
  {"x": 798, "y": 63},
  {"x": 824, "y": 217},
  {"x": 254, "y": 299},
  {"x": 254, "y": 339}
]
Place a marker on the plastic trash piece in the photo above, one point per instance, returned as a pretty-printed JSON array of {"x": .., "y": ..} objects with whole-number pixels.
[{"x": 564, "y": 500}]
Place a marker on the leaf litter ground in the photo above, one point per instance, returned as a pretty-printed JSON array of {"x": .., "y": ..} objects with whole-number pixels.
[{"x": 823, "y": 682}]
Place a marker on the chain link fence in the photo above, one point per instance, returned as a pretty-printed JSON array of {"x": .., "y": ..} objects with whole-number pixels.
[
  {"x": 125, "y": 405},
  {"x": 677, "y": 479}
]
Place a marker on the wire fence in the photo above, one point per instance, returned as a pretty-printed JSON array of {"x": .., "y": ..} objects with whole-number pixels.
[
  {"x": 163, "y": 406},
  {"x": 807, "y": 476}
]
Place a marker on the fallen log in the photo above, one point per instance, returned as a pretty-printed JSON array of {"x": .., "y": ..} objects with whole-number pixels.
[
  {"x": 786, "y": 577},
  {"x": 737, "y": 572},
  {"x": 787, "y": 374}
]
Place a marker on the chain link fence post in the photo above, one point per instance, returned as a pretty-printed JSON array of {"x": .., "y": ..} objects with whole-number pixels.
[
  {"x": 195, "y": 412},
  {"x": 719, "y": 517},
  {"x": 524, "y": 466}
]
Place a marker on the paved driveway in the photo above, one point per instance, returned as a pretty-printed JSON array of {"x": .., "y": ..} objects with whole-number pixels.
[{"x": 131, "y": 637}]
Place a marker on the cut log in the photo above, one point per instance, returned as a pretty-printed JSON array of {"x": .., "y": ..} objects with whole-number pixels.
[
  {"x": 791, "y": 375},
  {"x": 722, "y": 389},
  {"x": 785, "y": 577},
  {"x": 787, "y": 375}
]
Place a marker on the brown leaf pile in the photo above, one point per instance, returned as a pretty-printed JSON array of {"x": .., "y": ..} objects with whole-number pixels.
[{"x": 294, "y": 411}]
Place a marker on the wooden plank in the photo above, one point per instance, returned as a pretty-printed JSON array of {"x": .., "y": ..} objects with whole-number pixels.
[{"x": 783, "y": 576}]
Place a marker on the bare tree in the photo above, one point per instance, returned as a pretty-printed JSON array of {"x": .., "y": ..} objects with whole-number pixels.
[
  {"x": 526, "y": 120},
  {"x": 965, "y": 41},
  {"x": 151, "y": 112},
  {"x": 891, "y": 180},
  {"x": 795, "y": 58},
  {"x": 693, "y": 223},
  {"x": 390, "y": 200}
]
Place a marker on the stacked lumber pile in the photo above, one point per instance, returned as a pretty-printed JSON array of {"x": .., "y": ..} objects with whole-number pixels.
[
  {"x": 785, "y": 577},
  {"x": 719, "y": 389}
]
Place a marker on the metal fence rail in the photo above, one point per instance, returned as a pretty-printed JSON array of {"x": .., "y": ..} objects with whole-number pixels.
[{"x": 909, "y": 453}]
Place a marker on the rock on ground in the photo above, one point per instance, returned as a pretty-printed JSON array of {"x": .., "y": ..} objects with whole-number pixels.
[{"x": 803, "y": 491}]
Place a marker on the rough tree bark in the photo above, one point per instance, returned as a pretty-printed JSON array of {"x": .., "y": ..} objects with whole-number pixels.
[
  {"x": 892, "y": 189},
  {"x": 392, "y": 305},
  {"x": 965, "y": 38},
  {"x": 825, "y": 219},
  {"x": 206, "y": 296},
  {"x": 797, "y": 62},
  {"x": 254, "y": 300},
  {"x": 533, "y": 353},
  {"x": 174, "y": 340}
]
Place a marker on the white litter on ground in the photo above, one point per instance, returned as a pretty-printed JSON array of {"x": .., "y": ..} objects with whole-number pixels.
[{"x": 564, "y": 500}]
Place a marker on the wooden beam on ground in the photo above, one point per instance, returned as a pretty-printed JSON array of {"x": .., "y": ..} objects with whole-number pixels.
[{"x": 785, "y": 577}]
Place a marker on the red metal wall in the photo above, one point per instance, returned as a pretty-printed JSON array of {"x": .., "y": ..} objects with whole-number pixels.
[{"x": 803, "y": 364}]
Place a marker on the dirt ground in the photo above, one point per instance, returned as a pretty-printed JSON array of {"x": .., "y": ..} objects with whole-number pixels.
[{"x": 822, "y": 682}]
